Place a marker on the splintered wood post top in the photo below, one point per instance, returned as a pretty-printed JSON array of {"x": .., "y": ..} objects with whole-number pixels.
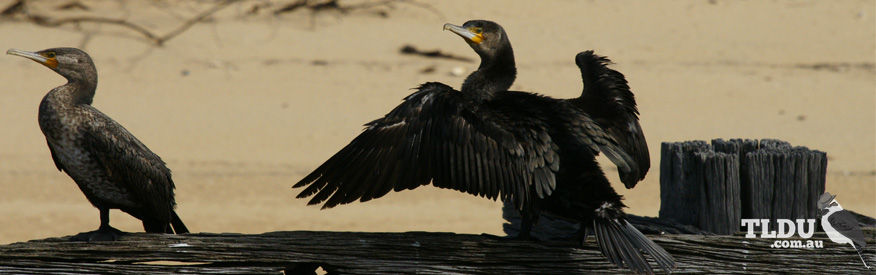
[
  {"x": 299, "y": 252},
  {"x": 712, "y": 186}
]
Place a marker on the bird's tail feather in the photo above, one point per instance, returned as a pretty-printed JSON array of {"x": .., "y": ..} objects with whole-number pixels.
[
  {"x": 178, "y": 226},
  {"x": 623, "y": 245}
]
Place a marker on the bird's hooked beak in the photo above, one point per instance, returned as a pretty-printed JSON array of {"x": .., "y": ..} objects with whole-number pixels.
[
  {"x": 467, "y": 34},
  {"x": 50, "y": 62}
]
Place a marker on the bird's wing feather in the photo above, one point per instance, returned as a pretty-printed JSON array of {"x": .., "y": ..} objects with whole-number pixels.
[
  {"x": 130, "y": 164},
  {"x": 589, "y": 134},
  {"x": 55, "y": 157},
  {"x": 434, "y": 136},
  {"x": 846, "y": 224},
  {"x": 607, "y": 98}
]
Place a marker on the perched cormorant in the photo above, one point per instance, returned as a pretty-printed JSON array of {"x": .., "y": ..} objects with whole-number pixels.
[
  {"x": 112, "y": 168},
  {"x": 535, "y": 151}
]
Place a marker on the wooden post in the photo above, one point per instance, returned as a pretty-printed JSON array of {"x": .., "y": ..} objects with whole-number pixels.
[
  {"x": 714, "y": 186},
  {"x": 785, "y": 182},
  {"x": 700, "y": 187}
]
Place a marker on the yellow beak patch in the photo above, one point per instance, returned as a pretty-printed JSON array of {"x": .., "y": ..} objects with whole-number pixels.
[
  {"x": 51, "y": 63},
  {"x": 477, "y": 38}
]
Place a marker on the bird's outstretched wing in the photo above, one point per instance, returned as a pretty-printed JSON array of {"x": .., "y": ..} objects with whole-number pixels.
[
  {"x": 436, "y": 136},
  {"x": 130, "y": 164},
  {"x": 607, "y": 99},
  {"x": 586, "y": 133}
]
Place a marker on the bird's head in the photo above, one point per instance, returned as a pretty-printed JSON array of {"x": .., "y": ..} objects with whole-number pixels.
[
  {"x": 827, "y": 203},
  {"x": 71, "y": 63},
  {"x": 487, "y": 38}
]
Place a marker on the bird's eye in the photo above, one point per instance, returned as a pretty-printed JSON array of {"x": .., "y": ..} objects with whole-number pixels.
[
  {"x": 50, "y": 54},
  {"x": 477, "y": 30}
]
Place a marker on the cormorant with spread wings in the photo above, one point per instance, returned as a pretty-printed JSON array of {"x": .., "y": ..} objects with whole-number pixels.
[{"x": 533, "y": 150}]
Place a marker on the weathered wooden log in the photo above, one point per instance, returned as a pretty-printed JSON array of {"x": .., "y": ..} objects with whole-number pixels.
[
  {"x": 300, "y": 252},
  {"x": 713, "y": 186}
]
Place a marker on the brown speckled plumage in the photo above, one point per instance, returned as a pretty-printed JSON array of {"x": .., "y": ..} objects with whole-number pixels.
[{"x": 112, "y": 168}]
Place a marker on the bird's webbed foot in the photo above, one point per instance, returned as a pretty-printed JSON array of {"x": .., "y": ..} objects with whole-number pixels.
[{"x": 102, "y": 234}]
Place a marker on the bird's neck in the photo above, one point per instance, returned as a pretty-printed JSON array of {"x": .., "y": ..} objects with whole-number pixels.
[
  {"x": 77, "y": 91},
  {"x": 495, "y": 74}
]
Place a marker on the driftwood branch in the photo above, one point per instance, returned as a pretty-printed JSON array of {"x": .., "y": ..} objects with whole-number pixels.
[
  {"x": 12, "y": 9},
  {"x": 189, "y": 23},
  {"x": 48, "y": 22},
  {"x": 335, "y": 5},
  {"x": 158, "y": 40},
  {"x": 410, "y": 252}
]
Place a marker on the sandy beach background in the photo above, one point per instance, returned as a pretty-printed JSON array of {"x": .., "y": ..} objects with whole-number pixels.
[{"x": 243, "y": 105}]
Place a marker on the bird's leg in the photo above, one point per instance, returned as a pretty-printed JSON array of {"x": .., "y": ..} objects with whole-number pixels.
[
  {"x": 859, "y": 255},
  {"x": 104, "y": 219},
  {"x": 526, "y": 222},
  {"x": 583, "y": 232},
  {"x": 103, "y": 233},
  {"x": 105, "y": 227}
]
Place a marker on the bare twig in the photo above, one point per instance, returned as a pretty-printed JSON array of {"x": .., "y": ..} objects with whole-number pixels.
[
  {"x": 149, "y": 35},
  {"x": 320, "y": 6},
  {"x": 388, "y": 2},
  {"x": 291, "y": 7},
  {"x": 189, "y": 23},
  {"x": 14, "y": 8},
  {"x": 75, "y": 5},
  {"x": 44, "y": 21},
  {"x": 86, "y": 37}
]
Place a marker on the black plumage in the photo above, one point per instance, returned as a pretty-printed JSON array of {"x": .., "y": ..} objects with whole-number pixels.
[
  {"x": 535, "y": 151},
  {"x": 606, "y": 97},
  {"x": 112, "y": 168}
]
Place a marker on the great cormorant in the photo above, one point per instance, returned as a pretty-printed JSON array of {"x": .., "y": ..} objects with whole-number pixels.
[
  {"x": 537, "y": 152},
  {"x": 112, "y": 168}
]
